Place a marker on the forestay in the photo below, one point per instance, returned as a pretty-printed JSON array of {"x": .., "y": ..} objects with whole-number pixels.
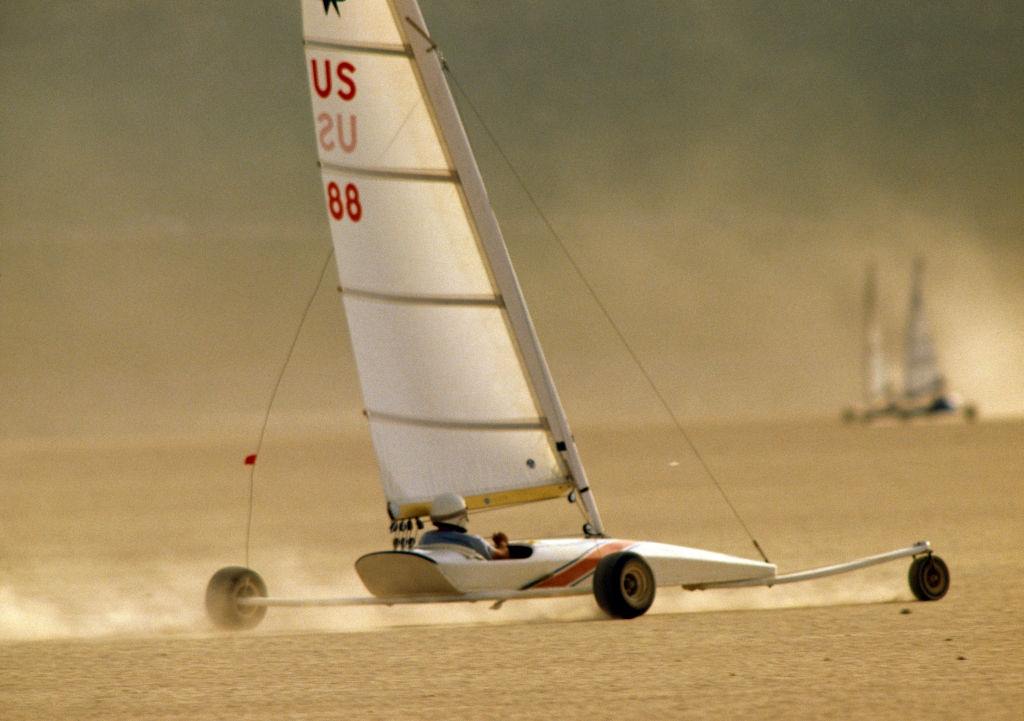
[{"x": 456, "y": 390}]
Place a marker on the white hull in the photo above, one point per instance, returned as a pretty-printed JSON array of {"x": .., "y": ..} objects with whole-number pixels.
[
  {"x": 415, "y": 577},
  {"x": 553, "y": 564}
]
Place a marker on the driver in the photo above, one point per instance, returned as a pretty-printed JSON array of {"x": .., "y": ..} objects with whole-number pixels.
[{"x": 450, "y": 518}]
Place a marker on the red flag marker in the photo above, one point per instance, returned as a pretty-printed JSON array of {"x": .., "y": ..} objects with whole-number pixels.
[{"x": 250, "y": 460}]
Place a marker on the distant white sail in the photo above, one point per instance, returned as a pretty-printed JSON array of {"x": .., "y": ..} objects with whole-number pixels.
[
  {"x": 876, "y": 370},
  {"x": 456, "y": 392},
  {"x": 921, "y": 376}
]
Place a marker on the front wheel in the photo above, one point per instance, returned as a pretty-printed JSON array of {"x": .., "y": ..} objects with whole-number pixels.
[
  {"x": 624, "y": 585},
  {"x": 929, "y": 578},
  {"x": 226, "y": 588}
]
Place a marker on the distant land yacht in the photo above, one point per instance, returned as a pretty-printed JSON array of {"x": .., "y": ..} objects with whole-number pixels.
[{"x": 925, "y": 393}]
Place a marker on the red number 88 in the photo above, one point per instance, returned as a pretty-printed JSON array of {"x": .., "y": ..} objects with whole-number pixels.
[{"x": 338, "y": 207}]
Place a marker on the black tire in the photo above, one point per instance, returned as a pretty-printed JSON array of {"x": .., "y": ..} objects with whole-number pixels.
[
  {"x": 929, "y": 578},
  {"x": 222, "y": 594},
  {"x": 624, "y": 585}
]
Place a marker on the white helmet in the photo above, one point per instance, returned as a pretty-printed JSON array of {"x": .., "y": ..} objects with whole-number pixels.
[{"x": 449, "y": 508}]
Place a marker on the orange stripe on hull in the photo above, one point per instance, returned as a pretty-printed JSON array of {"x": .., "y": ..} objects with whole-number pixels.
[{"x": 583, "y": 566}]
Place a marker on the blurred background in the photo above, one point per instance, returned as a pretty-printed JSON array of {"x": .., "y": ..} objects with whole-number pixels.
[{"x": 722, "y": 173}]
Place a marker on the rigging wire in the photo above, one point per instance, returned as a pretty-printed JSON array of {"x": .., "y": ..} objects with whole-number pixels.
[
  {"x": 273, "y": 395},
  {"x": 602, "y": 307}
]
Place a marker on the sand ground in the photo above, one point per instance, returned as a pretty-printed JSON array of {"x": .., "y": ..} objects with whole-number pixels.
[{"x": 105, "y": 550}]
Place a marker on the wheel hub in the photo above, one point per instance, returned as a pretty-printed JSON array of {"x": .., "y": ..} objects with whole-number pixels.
[
  {"x": 630, "y": 584},
  {"x": 635, "y": 587},
  {"x": 246, "y": 589}
]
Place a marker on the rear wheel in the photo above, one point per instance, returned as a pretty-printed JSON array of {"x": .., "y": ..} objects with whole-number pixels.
[
  {"x": 624, "y": 585},
  {"x": 929, "y": 578},
  {"x": 226, "y": 588}
]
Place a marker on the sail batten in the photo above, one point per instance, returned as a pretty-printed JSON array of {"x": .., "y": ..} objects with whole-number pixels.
[
  {"x": 465, "y": 300},
  {"x": 517, "y": 424},
  {"x": 425, "y": 174},
  {"x": 381, "y": 48}
]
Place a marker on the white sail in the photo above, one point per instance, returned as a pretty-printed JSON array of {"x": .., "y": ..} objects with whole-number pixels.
[
  {"x": 876, "y": 371},
  {"x": 921, "y": 376},
  {"x": 456, "y": 390}
]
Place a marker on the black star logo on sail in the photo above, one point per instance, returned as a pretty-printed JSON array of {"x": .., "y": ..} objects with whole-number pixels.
[{"x": 328, "y": 4}]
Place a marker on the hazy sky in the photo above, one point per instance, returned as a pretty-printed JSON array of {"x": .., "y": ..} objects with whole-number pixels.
[{"x": 722, "y": 173}]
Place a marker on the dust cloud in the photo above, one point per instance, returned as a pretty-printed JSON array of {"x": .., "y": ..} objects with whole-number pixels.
[
  {"x": 170, "y": 602},
  {"x": 85, "y": 603}
]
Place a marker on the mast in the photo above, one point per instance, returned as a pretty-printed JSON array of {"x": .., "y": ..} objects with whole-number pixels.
[{"x": 428, "y": 61}]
